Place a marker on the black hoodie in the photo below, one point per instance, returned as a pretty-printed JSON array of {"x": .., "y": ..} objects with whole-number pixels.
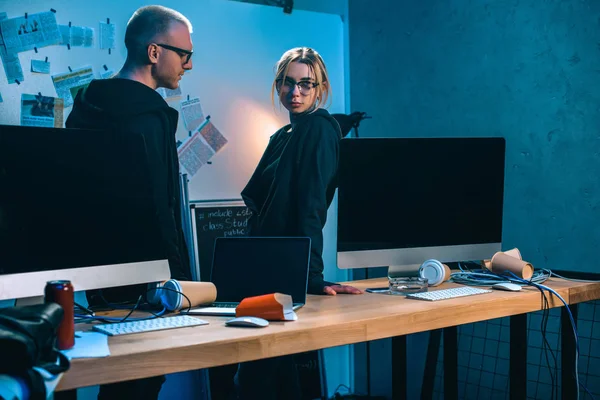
[
  {"x": 129, "y": 106},
  {"x": 294, "y": 183}
]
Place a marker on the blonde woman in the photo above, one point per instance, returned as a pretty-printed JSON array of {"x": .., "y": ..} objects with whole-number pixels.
[{"x": 290, "y": 192}]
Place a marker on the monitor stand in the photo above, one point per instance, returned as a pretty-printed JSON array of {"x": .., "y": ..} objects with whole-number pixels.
[{"x": 397, "y": 271}]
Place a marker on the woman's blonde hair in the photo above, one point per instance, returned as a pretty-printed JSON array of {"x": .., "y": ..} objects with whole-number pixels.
[{"x": 310, "y": 57}]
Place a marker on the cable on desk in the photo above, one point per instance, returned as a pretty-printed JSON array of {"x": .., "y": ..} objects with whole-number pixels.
[
  {"x": 93, "y": 317},
  {"x": 484, "y": 277}
]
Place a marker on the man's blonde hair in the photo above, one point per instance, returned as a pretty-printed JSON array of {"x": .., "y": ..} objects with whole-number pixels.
[{"x": 145, "y": 25}]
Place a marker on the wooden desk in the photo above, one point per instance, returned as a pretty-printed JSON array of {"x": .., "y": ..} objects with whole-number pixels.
[{"x": 325, "y": 321}]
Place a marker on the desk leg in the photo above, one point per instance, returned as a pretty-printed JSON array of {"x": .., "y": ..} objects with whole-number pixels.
[
  {"x": 518, "y": 357},
  {"x": 433, "y": 349},
  {"x": 451, "y": 363},
  {"x": 568, "y": 347},
  {"x": 399, "y": 368}
]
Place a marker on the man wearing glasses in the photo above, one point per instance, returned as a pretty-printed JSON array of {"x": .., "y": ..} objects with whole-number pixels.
[{"x": 159, "y": 51}]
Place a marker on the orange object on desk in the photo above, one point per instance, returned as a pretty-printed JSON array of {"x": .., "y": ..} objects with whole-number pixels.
[{"x": 272, "y": 307}]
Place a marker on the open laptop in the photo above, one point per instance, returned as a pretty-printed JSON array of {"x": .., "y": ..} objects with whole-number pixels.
[{"x": 253, "y": 266}]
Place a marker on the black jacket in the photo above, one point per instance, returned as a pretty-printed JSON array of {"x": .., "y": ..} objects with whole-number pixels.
[
  {"x": 295, "y": 201},
  {"x": 130, "y": 106}
]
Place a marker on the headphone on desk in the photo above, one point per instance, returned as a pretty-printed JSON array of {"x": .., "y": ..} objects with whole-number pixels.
[
  {"x": 434, "y": 271},
  {"x": 175, "y": 295}
]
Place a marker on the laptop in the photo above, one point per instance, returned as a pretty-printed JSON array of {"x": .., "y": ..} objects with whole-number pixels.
[{"x": 253, "y": 266}]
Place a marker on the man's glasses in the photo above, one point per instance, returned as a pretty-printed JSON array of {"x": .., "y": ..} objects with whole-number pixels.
[
  {"x": 182, "y": 52},
  {"x": 288, "y": 85}
]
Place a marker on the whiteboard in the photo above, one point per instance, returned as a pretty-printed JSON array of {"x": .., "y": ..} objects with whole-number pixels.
[{"x": 236, "y": 46}]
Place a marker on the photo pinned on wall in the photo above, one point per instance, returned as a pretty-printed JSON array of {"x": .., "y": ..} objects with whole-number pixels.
[
  {"x": 29, "y": 32},
  {"x": 76, "y": 79},
  {"x": 191, "y": 112},
  {"x": 44, "y": 111},
  {"x": 40, "y": 66},
  {"x": 199, "y": 148}
]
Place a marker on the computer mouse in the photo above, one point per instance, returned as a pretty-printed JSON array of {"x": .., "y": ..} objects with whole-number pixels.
[
  {"x": 511, "y": 287},
  {"x": 250, "y": 322}
]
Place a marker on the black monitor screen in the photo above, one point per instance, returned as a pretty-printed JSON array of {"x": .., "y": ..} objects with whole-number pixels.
[
  {"x": 420, "y": 192},
  {"x": 71, "y": 198}
]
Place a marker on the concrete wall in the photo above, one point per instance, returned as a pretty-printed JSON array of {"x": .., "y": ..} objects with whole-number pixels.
[{"x": 527, "y": 70}]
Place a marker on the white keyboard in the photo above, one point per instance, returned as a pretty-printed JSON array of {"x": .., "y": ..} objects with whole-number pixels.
[
  {"x": 445, "y": 294},
  {"x": 147, "y": 325}
]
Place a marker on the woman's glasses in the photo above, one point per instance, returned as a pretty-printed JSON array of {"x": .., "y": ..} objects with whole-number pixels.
[{"x": 288, "y": 85}]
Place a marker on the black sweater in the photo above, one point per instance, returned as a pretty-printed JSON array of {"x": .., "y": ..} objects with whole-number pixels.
[
  {"x": 294, "y": 184},
  {"x": 129, "y": 106}
]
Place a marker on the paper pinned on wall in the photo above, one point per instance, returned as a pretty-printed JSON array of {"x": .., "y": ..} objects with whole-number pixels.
[
  {"x": 106, "y": 36},
  {"x": 191, "y": 111},
  {"x": 198, "y": 149},
  {"x": 169, "y": 93},
  {"x": 35, "y": 31},
  {"x": 38, "y": 110},
  {"x": 213, "y": 137},
  {"x": 82, "y": 36},
  {"x": 12, "y": 66},
  {"x": 77, "y": 79},
  {"x": 65, "y": 35},
  {"x": 40, "y": 66},
  {"x": 194, "y": 152},
  {"x": 10, "y": 60},
  {"x": 76, "y": 36}
]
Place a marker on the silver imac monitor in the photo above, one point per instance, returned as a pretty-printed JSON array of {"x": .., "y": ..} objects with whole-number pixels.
[
  {"x": 402, "y": 201},
  {"x": 76, "y": 205}
]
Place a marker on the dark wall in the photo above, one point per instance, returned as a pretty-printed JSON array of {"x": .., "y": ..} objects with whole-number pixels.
[{"x": 527, "y": 70}]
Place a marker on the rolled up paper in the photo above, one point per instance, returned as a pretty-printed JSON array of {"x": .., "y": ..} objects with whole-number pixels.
[
  {"x": 503, "y": 263},
  {"x": 512, "y": 252},
  {"x": 197, "y": 292}
]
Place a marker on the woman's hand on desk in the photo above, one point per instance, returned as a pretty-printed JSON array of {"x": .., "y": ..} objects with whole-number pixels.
[{"x": 332, "y": 290}]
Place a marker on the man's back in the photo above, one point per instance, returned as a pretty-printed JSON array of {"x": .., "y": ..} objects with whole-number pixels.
[{"x": 127, "y": 106}]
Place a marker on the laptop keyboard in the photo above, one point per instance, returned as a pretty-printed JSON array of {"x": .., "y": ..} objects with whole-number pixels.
[{"x": 224, "y": 305}]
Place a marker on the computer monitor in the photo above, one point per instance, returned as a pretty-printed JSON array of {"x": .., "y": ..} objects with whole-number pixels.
[
  {"x": 76, "y": 205},
  {"x": 402, "y": 201}
]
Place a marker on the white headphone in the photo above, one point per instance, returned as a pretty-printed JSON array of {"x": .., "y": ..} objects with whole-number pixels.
[{"x": 434, "y": 271}]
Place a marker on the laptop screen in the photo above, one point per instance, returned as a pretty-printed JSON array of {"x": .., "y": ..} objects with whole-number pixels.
[{"x": 253, "y": 266}]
